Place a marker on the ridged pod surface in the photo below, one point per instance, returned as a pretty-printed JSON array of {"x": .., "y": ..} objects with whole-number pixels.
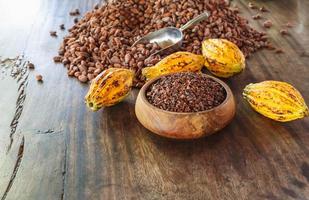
[
  {"x": 109, "y": 88},
  {"x": 277, "y": 100},
  {"x": 176, "y": 62},
  {"x": 222, "y": 57}
]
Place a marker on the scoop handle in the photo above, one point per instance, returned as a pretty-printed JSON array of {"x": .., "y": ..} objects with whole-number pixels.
[{"x": 195, "y": 21}]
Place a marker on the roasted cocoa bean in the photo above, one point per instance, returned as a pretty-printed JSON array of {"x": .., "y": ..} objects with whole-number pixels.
[
  {"x": 82, "y": 78},
  {"x": 53, "y": 33},
  {"x": 104, "y": 37},
  {"x": 267, "y": 24},
  {"x": 58, "y": 59},
  {"x": 30, "y": 65},
  {"x": 39, "y": 77}
]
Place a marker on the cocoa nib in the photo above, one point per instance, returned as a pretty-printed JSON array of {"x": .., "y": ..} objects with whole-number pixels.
[{"x": 186, "y": 92}]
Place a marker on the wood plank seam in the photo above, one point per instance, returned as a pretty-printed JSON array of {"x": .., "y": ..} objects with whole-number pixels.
[
  {"x": 20, "y": 155},
  {"x": 18, "y": 71},
  {"x": 64, "y": 169}
]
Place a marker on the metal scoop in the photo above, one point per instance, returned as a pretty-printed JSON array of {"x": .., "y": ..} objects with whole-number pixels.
[{"x": 170, "y": 37}]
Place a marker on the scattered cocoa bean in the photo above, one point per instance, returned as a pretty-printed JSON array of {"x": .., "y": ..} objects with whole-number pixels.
[
  {"x": 62, "y": 27},
  {"x": 58, "y": 59},
  {"x": 270, "y": 47},
  {"x": 74, "y": 12},
  {"x": 267, "y": 24},
  {"x": 65, "y": 61},
  {"x": 185, "y": 92},
  {"x": 71, "y": 73},
  {"x": 252, "y": 6},
  {"x": 31, "y": 65},
  {"x": 284, "y": 32},
  {"x": 257, "y": 16},
  {"x": 53, "y": 33},
  {"x": 39, "y": 77},
  {"x": 278, "y": 51},
  {"x": 61, "y": 52},
  {"x": 75, "y": 20},
  {"x": 263, "y": 9}
]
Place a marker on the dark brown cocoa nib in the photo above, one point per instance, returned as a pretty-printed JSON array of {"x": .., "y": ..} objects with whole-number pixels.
[
  {"x": 186, "y": 92},
  {"x": 103, "y": 38}
]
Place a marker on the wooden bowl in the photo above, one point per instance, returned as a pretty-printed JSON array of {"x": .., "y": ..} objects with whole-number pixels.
[{"x": 184, "y": 125}]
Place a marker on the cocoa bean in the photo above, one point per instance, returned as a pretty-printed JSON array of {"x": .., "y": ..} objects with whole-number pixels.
[
  {"x": 97, "y": 71},
  {"x": 104, "y": 36},
  {"x": 30, "y": 65},
  {"x": 39, "y": 77},
  {"x": 57, "y": 59},
  {"x": 127, "y": 58},
  {"x": 115, "y": 60},
  {"x": 83, "y": 78},
  {"x": 90, "y": 77}
]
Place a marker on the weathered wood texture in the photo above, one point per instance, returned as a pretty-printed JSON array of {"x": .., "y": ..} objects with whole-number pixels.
[{"x": 109, "y": 155}]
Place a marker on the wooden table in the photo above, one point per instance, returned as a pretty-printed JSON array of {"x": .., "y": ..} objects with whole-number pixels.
[{"x": 61, "y": 150}]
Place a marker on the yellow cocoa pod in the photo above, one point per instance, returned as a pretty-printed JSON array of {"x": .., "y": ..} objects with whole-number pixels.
[
  {"x": 222, "y": 57},
  {"x": 109, "y": 88},
  {"x": 277, "y": 100},
  {"x": 176, "y": 62}
]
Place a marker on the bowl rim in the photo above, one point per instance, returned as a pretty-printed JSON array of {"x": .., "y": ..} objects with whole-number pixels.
[{"x": 228, "y": 91}]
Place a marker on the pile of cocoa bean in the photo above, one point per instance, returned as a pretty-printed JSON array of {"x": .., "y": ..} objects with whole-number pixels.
[{"x": 104, "y": 36}]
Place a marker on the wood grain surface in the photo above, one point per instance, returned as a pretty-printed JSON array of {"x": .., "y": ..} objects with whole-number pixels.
[{"x": 55, "y": 148}]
